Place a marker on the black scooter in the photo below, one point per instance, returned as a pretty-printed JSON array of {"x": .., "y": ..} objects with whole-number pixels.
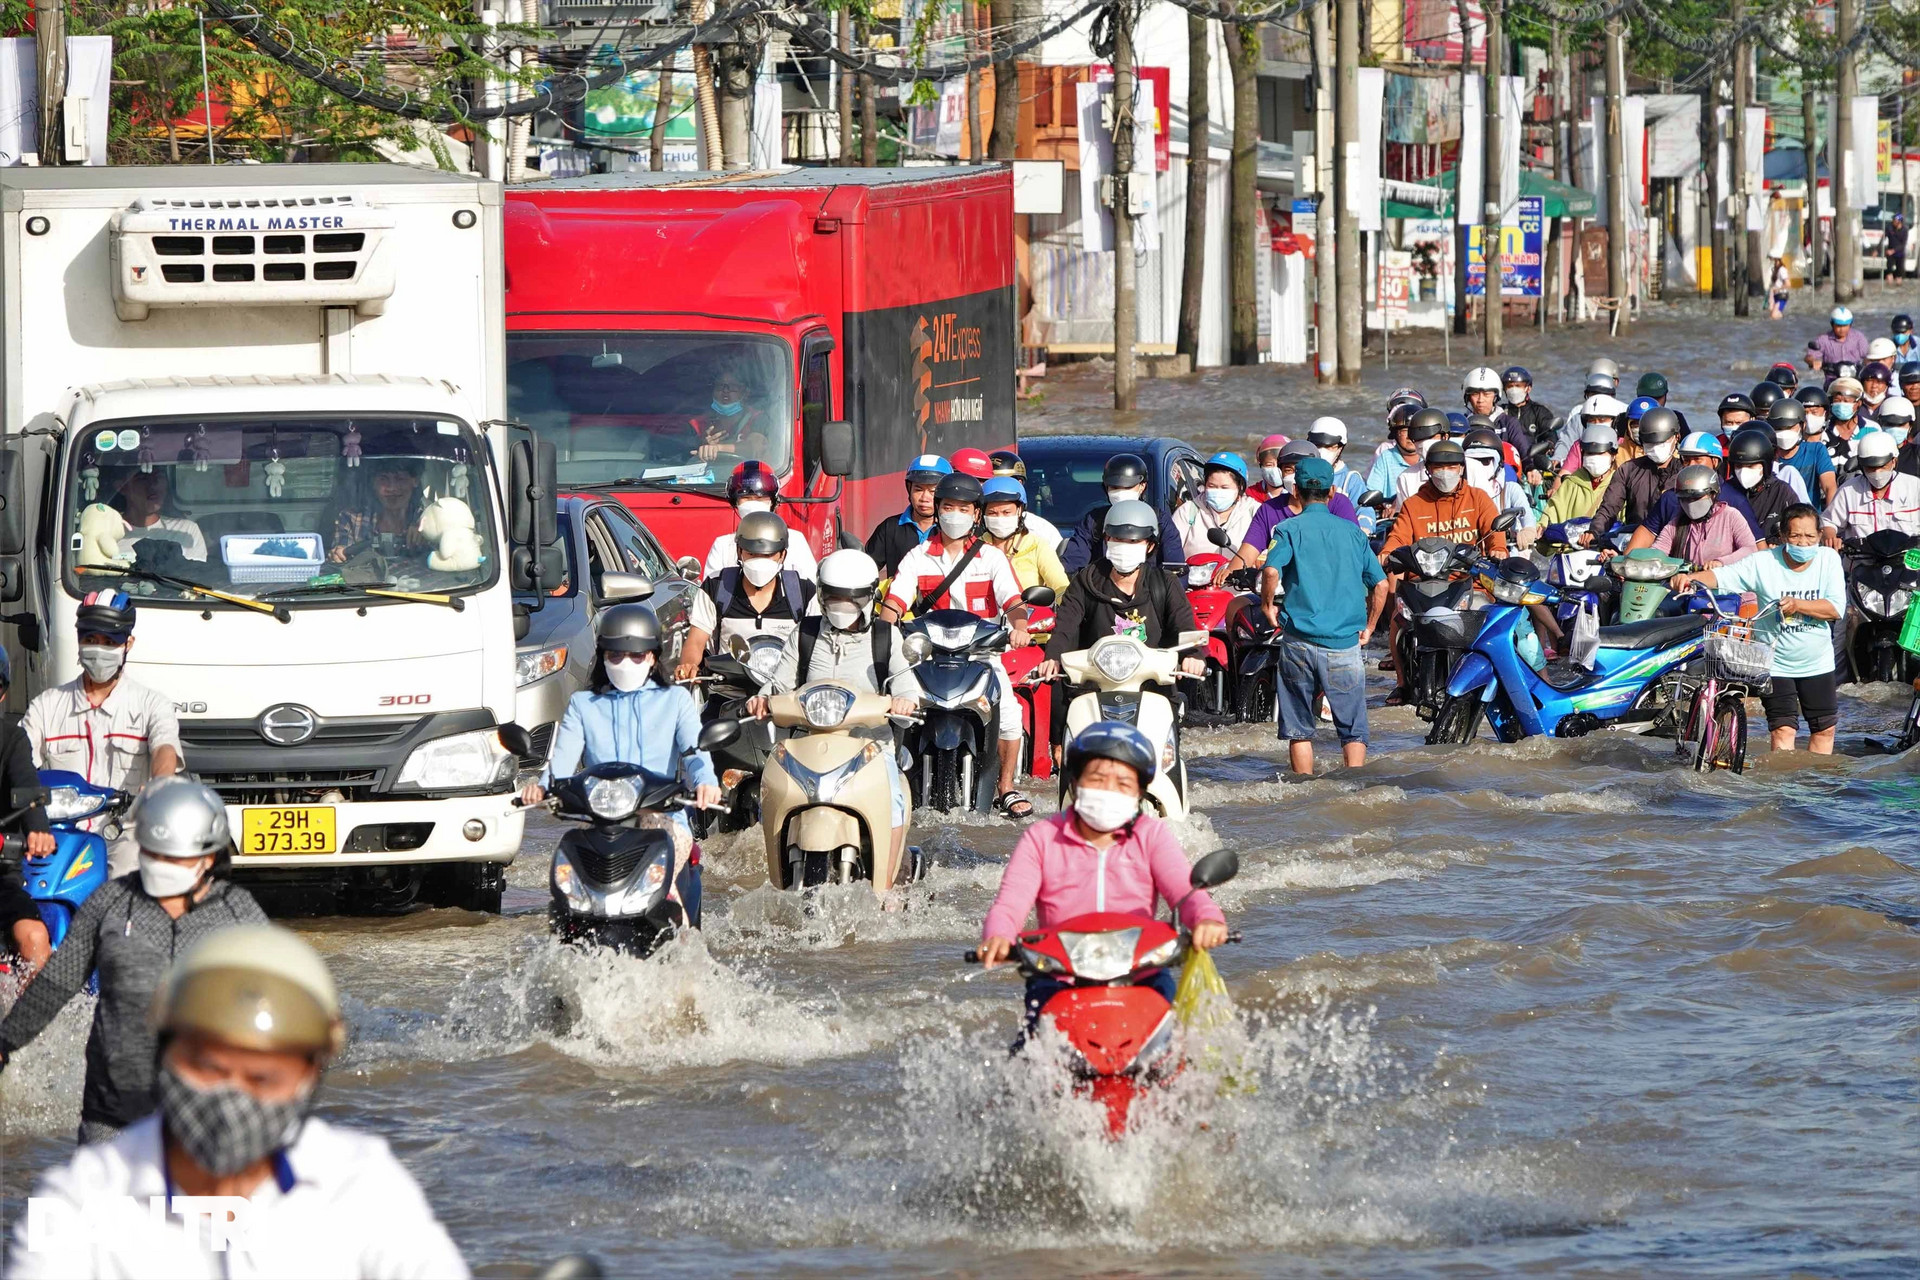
[
  {"x": 1880, "y": 585},
  {"x": 1436, "y": 590},
  {"x": 732, "y": 678}
]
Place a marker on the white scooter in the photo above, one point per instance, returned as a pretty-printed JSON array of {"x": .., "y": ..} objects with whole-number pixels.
[{"x": 1118, "y": 668}]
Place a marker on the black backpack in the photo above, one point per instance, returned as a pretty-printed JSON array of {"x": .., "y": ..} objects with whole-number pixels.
[{"x": 881, "y": 633}]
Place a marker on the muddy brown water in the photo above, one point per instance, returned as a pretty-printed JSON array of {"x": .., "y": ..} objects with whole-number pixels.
[{"x": 1547, "y": 1008}]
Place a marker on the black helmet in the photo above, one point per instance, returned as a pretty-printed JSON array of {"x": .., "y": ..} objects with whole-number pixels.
[
  {"x": 1811, "y": 395},
  {"x": 628, "y": 628},
  {"x": 1657, "y": 425},
  {"x": 960, "y": 487},
  {"x": 761, "y": 533},
  {"x": 1763, "y": 395},
  {"x": 1446, "y": 453},
  {"x": 1426, "y": 424},
  {"x": 1516, "y": 376},
  {"x": 1782, "y": 375},
  {"x": 1124, "y": 471},
  {"x": 1652, "y": 384},
  {"x": 1111, "y": 740},
  {"x": 106, "y": 613},
  {"x": 1007, "y": 463},
  {"x": 1736, "y": 402},
  {"x": 1787, "y": 413},
  {"x": 1481, "y": 438},
  {"x": 1750, "y": 445},
  {"x": 1902, "y": 324},
  {"x": 1910, "y": 372},
  {"x": 1696, "y": 481}
]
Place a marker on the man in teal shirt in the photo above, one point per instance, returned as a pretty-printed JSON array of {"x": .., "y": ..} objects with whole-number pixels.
[{"x": 1334, "y": 591}]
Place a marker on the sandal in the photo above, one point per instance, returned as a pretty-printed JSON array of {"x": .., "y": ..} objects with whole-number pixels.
[
  {"x": 1400, "y": 697},
  {"x": 1013, "y": 805}
]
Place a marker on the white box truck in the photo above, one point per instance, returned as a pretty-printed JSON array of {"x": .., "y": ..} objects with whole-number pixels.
[{"x": 266, "y": 402}]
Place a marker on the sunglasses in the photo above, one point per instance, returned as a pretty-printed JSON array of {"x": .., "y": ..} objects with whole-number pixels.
[{"x": 615, "y": 655}]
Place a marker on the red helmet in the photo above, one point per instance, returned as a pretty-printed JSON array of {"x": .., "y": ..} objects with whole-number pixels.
[
  {"x": 752, "y": 479},
  {"x": 973, "y": 462}
]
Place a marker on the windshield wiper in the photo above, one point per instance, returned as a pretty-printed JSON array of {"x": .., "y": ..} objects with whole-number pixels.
[
  {"x": 641, "y": 482},
  {"x": 185, "y": 584},
  {"x": 389, "y": 590}
]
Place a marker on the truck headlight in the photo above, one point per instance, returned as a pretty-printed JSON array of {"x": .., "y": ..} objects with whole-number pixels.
[
  {"x": 462, "y": 760},
  {"x": 538, "y": 664}
]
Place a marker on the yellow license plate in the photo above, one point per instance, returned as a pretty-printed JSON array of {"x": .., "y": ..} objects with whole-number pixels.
[{"x": 299, "y": 829}]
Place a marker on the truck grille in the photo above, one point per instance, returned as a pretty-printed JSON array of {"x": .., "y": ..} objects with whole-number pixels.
[
  {"x": 369, "y": 731},
  {"x": 292, "y": 786}
]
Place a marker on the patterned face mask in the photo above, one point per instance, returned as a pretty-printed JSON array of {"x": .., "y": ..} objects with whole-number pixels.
[{"x": 227, "y": 1129}]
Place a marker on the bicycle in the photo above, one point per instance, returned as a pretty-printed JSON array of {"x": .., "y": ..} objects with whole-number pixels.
[{"x": 1734, "y": 666}]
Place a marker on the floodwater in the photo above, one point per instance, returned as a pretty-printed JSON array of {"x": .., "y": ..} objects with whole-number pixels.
[{"x": 1551, "y": 1008}]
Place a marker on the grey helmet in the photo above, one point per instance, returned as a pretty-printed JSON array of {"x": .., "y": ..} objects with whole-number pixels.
[
  {"x": 1131, "y": 521},
  {"x": 629, "y": 628},
  {"x": 1697, "y": 481},
  {"x": 179, "y": 817},
  {"x": 761, "y": 533}
]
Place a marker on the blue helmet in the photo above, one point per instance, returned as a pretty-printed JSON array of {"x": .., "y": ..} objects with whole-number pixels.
[
  {"x": 1111, "y": 740},
  {"x": 1227, "y": 460},
  {"x": 1639, "y": 407},
  {"x": 1002, "y": 488},
  {"x": 928, "y": 468}
]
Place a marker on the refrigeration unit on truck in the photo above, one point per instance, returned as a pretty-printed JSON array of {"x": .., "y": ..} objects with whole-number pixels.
[
  {"x": 664, "y": 327},
  {"x": 267, "y": 403}
]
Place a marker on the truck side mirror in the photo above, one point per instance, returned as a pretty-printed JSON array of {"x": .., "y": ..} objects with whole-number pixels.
[
  {"x": 533, "y": 513},
  {"x": 13, "y": 504},
  {"x": 836, "y": 448}
]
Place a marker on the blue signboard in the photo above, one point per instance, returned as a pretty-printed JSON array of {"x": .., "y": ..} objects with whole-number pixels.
[{"x": 1522, "y": 253}]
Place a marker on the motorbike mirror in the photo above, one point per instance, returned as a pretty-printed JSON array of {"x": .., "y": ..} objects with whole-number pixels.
[
  {"x": 1372, "y": 498},
  {"x": 1216, "y": 868},
  {"x": 737, "y": 646},
  {"x": 615, "y": 587},
  {"x": 515, "y": 738},
  {"x": 915, "y": 648},
  {"x": 1504, "y": 522},
  {"x": 1219, "y": 538},
  {"x": 718, "y": 733},
  {"x": 1039, "y": 597},
  {"x": 1192, "y": 640},
  {"x": 688, "y": 567},
  {"x": 1541, "y": 455}
]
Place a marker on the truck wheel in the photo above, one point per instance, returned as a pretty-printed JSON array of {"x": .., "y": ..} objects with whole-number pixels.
[
  {"x": 473, "y": 886},
  {"x": 1458, "y": 721}
]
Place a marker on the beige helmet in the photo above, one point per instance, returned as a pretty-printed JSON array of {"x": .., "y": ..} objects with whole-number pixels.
[{"x": 254, "y": 987}]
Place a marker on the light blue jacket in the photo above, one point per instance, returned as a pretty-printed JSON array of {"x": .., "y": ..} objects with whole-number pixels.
[
  {"x": 1354, "y": 485},
  {"x": 649, "y": 727}
]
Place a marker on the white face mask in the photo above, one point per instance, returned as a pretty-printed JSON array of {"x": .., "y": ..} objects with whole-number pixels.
[
  {"x": 1698, "y": 508},
  {"x": 1221, "y": 499},
  {"x": 1787, "y": 440},
  {"x": 168, "y": 878},
  {"x": 1481, "y": 470},
  {"x": 1003, "y": 526},
  {"x": 747, "y": 506},
  {"x": 1427, "y": 444},
  {"x": 1749, "y": 477},
  {"x": 1816, "y": 423},
  {"x": 1125, "y": 557},
  {"x": 1516, "y": 396},
  {"x": 842, "y": 615},
  {"x": 759, "y": 570},
  {"x": 1331, "y": 453},
  {"x": 1105, "y": 810},
  {"x": 1596, "y": 464},
  {"x": 1660, "y": 454},
  {"x": 628, "y": 676},
  {"x": 1879, "y": 477},
  {"x": 956, "y": 525},
  {"x": 102, "y": 661},
  {"x": 1445, "y": 481},
  {"x": 1274, "y": 477},
  {"x": 1126, "y": 495}
]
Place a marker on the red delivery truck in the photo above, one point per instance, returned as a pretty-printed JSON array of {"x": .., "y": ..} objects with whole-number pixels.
[{"x": 664, "y": 327}]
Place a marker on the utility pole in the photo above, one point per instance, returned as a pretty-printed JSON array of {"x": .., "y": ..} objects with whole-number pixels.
[
  {"x": 1494, "y": 211},
  {"x": 1326, "y": 277},
  {"x": 50, "y": 66},
  {"x": 1459, "y": 228},
  {"x": 1243, "y": 200},
  {"x": 845, "y": 103},
  {"x": 1126, "y": 324},
  {"x": 1006, "y": 85},
  {"x": 1846, "y": 234},
  {"x": 1618, "y": 285},
  {"x": 1757, "y": 273},
  {"x": 970, "y": 26},
  {"x": 1353, "y": 296},
  {"x": 735, "y": 68},
  {"x": 1810, "y": 113},
  {"x": 1716, "y": 190},
  {"x": 1193, "y": 262},
  {"x": 869, "y": 110},
  {"x": 705, "y": 108},
  {"x": 1743, "y": 269}
]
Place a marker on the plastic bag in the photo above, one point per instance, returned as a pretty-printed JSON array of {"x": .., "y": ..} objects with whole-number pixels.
[
  {"x": 1201, "y": 1000},
  {"x": 1585, "y": 643}
]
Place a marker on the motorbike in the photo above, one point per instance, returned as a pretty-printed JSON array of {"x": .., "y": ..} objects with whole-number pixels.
[
  {"x": 825, "y": 804},
  {"x": 1214, "y": 700},
  {"x": 1578, "y": 572},
  {"x": 61, "y": 881},
  {"x": 1114, "y": 672},
  {"x": 1440, "y": 611},
  {"x": 1125, "y": 1037},
  {"x": 1880, "y": 586},
  {"x": 954, "y": 750},
  {"x": 731, "y": 679},
  {"x": 613, "y": 877},
  {"x": 1505, "y": 677},
  {"x": 1036, "y": 697}
]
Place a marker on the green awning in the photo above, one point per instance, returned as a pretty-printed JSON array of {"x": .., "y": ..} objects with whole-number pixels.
[{"x": 1558, "y": 199}]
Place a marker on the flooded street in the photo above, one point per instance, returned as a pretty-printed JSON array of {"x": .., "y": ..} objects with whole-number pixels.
[{"x": 1551, "y": 1008}]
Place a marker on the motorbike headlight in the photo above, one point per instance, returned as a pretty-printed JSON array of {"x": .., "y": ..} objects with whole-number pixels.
[
  {"x": 569, "y": 884},
  {"x": 538, "y": 664},
  {"x": 1506, "y": 592},
  {"x": 1432, "y": 563},
  {"x": 1898, "y": 602},
  {"x": 462, "y": 760},
  {"x": 762, "y": 657},
  {"x": 612, "y": 798},
  {"x": 1199, "y": 575},
  {"x": 1871, "y": 599},
  {"x": 69, "y": 804},
  {"x": 1101, "y": 957},
  {"x": 1164, "y": 954},
  {"x": 1117, "y": 658},
  {"x": 955, "y": 637},
  {"x": 826, "y": 708}
]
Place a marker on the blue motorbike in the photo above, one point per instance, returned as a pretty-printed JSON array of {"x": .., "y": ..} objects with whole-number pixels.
[
  {"x": 61, "y": 881},
  {"x": 1505, "y": 677}
]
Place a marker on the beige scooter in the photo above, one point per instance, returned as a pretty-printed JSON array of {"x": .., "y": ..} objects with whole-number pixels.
[{"x": 825, "y": 806}]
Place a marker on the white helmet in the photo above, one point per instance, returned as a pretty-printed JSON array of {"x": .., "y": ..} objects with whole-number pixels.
[
  {"x": 1602, "y": 407},
  {"x": 1327, "y": 427},
  {"x": 1894, "y": 409},
  {"x": 1880, "y": 349},
  {"x": 1870, "y": 447},
  {"x": 849, "y": 575},
  {"x": 1480, "y": 379},
  {"x": 1604, "y": 368}
]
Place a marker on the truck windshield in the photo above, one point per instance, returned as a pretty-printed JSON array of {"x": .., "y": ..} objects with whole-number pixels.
[
  {"x": 319, "y": 507},
  {"x": 679, "y": 409}
]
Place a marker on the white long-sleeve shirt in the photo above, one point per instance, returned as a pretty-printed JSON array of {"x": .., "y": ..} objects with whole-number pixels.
[{"x": 1857, "y": 511}]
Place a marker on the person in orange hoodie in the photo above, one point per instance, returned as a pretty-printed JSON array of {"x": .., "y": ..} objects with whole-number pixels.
[{"x": 1445, "y": 506}]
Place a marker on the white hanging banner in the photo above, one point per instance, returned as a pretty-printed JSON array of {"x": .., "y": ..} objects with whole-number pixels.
[
  {"x": 1756, "y": 166},
  {"x": 1863, "y": 153},
  {"x": 1363, "y": 184},
  {"x": 1469, "y": 195},
  {"x": 1512, "y": 122},
  {"x": 1722, "y": 169},
  {"x": 1633, "y": 131}
]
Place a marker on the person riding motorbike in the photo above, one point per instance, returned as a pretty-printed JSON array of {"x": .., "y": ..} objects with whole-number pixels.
[
  {"x": 1104, "y": 854},
  {"x": 19, "y": 917},
  {"x": 898, "y": 534},
  {"x": 1125, "y": 477},
  {"x": 1410, "y": 439},
  {"x": 1764, "y": 396},
  {"x": 1222, "y": 503},
  {"x": 972, "y": 462},
  {"x": 1842, "y": 344},
  {"x": 1267, "y": 458},
  {"x": 1904, "y": 344},
  {"x": 245, "y": 1024},
  {"x": 1638, "y": 484},
  {"x": 1702, "y": 450},
  {"x": 1329, "y": 437},
  {"x": 1705, "y": 529},
  {"x": 1653, "y": 386},
  {"x": 1480, "y": 391},
  {"x": 1580, "y": 491},
  {"x": 1033, "y": 559},
  {"x": 1008, "y": 464},
  {"x": 72, "y": 725},
  {"x": 1910, "y": 380},
  {"x": 1812, "y": 461},
  {"x": 1876, "y": 379},
  {"x": 1877, "y": 497},
  {"x": 1524, "y": 422},
  {"x": 761, "y": 596},
  {"x": 955, "y": 569},
  {"x": 1595, "y": 411},
  {"x": 1487, "y": 470},
  {"x": 1750, "y": 469},
  {"x": 1736, "y": 410},
  {"x": 752, "y": 487},
  {"x": 127, "y": 930},
  {"x": 846, "y": 644}
]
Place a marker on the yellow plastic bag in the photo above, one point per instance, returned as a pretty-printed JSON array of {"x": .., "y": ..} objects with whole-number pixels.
[{"x": 1201, "y": 999}]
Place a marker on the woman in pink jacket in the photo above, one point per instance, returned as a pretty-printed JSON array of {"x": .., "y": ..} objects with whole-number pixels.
[
  {"x": 1705, "y": 531},
  {"x": 1104, "y": 854}
]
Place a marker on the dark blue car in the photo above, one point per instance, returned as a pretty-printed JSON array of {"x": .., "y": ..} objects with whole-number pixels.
[{"x": 1063, "y": 472}]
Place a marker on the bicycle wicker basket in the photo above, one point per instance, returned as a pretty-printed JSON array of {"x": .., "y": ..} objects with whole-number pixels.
[{"x": 1733, "y": 654}]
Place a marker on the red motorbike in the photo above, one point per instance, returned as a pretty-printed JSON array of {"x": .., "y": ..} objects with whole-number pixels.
[
  {"x": 1238, "y": 639},
  {"x": 1036, "y": 698},
  {"x": 1124, "y": 1035}
]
